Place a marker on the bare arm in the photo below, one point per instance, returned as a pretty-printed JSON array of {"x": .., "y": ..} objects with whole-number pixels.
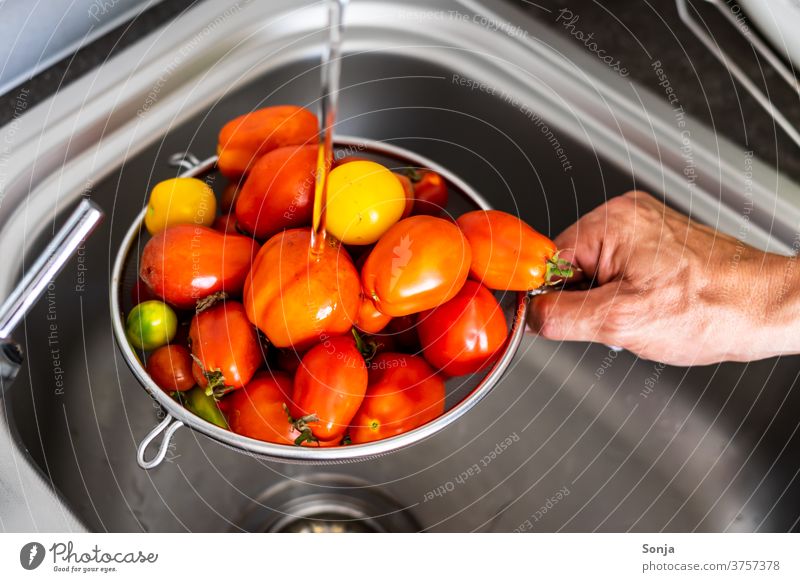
[{"x": 672, "y": 290}]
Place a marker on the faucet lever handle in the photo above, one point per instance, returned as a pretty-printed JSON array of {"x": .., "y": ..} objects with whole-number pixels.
[{"x": 79, "y": 225}]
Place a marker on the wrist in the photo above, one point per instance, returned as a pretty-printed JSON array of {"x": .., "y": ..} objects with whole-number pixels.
[{"x": 776, "y": 321}]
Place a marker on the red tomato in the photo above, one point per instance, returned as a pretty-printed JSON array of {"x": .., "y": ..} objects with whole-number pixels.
[
  {"x": 296, "y": 299},
  {"x": 419, "y": 263},
  {"x": 225, "y": 224},
  {"x": 278, "y": 192},
  {"x": 170, "y": 367},
  {"x": 369, "y": 319},
  {"x": 408, "y": 188},
  {"x": 243, "y": 140},
  {"x": 226, "y": 347},
  {"x": 329, "y": 387},
  {"x": 403, "y": 394},
  {"x": 430, "y": 192},
  {"x": 259, "y": 410},
  {"x": 509, "y": 255},
  {"x": 185, "y": 263},
  {"x": 466, "y": 334}
]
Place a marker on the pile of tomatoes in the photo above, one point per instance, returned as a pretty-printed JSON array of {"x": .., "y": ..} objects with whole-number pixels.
[{"x": 250, "y": 330}]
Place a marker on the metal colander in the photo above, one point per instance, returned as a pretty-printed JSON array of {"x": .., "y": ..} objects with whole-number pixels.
[{"x": 461, "y": 393}]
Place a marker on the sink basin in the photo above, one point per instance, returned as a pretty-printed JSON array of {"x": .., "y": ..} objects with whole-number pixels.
[{"x": 577, "y": 437}]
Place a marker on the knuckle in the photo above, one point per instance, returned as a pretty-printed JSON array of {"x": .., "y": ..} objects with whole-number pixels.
[{"x": 621, "y": 205}]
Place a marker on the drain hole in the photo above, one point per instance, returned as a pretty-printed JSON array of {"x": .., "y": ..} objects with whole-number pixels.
[
  {"x": 327, "y": 504},
  {"x": 328, "y": 523}
]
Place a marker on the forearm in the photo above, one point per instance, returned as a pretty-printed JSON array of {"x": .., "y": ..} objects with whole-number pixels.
[{"x": 777, "y": 293}]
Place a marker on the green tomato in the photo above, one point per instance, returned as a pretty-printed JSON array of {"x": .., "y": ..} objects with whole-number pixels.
[
  {"x": 198, "y": 402},
  {"x": 150, "y": 325}
]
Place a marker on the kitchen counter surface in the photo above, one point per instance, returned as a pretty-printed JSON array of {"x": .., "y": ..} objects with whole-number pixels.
[{"x": 636, "y": 34}]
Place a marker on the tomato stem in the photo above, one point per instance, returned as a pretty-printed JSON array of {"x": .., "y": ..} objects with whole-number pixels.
[
  {"x": 215, "y": 380},
  {"x": 368, "y": 349},
  {"x": 558, "y": 270},
  {"x": 210, "y": 301},
  {"x": 301, "y": 425},
  {"x": 412, "y": 174}
]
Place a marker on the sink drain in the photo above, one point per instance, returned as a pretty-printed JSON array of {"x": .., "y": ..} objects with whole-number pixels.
[{"x": 326, "y": 503}]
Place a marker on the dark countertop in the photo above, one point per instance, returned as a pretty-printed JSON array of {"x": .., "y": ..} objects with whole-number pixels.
[
  {"x": 634, "y": 33},
  {"x": 638, "y": 33}
]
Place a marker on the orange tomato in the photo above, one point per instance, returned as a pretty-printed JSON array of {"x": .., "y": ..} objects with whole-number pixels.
[
  {"x": 421, "y": 262},
  {"x": 509, "y": 255},
  {"x": 297, "y": 300},
  {"x": 244, "y": 139}
]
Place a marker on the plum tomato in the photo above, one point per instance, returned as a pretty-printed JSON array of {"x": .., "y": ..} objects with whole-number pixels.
[
  {"x": 225, "y": 347},
  {"x": 421, "y": 262},
  {"x": 150, "y": 325},
  {"x": 295, "y": 298},
  {"x": 430, "y": 192},
  {"x": 466, "y": 334},
  {"x": 369, "y": 319},
  {"x": 186, "y": 263},
  {"x": 180, "y": 201},
  {"x": 404, "y": 393},
  {"x": 364, "y": 200},
  {"x": 260, "y": 410},
  {"x": 171, "y": 368},
  {"x": 278, "y": 192},
  {"x": 328, "y": 389},
  {"x": 509, "y": 255},
  {"x": 244, "y": 139}
]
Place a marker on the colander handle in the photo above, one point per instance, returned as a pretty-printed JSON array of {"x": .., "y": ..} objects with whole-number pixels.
[{"x": 168, "y": 426}]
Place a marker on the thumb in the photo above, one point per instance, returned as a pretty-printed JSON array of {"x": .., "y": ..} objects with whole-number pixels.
[{"x": 575, "y": 315}]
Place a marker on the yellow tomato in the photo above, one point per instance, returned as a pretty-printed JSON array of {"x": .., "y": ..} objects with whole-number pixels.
[
  {"x": 364, "y": 200},
  {"x": 180, "y": 201}
]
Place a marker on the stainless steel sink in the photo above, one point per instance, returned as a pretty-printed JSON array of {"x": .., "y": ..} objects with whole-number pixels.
[{"x": 576, "y": 438}]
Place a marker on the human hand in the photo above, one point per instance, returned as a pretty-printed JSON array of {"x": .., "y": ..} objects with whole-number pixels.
[{"x": 670, "y": 289}]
